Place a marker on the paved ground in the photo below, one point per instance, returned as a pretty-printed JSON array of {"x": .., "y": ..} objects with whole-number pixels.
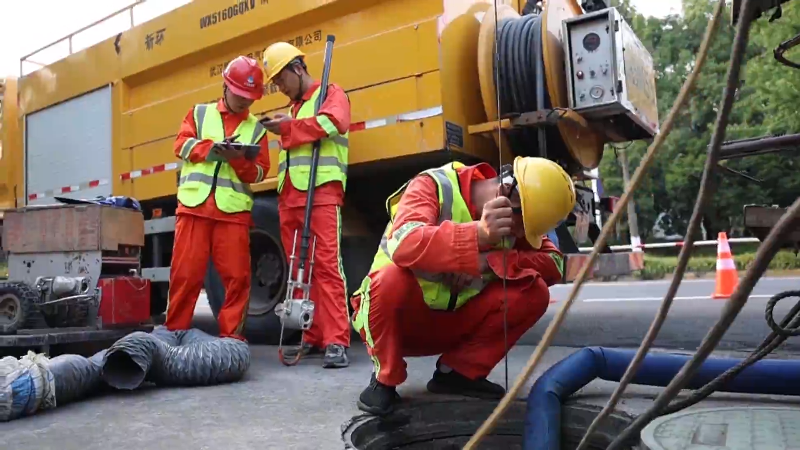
[
  {"x": 304, "y": 407},
  {"x": 619, "y": 314},
  {"x": 273, "y": 408}
]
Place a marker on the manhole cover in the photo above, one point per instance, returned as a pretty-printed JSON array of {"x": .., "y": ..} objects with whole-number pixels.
[
  {"x": 449, "y": 425},
  {"x": 737, "y": 428}
]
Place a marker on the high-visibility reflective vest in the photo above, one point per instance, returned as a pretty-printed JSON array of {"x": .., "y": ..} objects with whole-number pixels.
[
  {"x": 198, "y": 180},
  {"x": 332, "y": 165},
  {"x": 452, "y": 207}
]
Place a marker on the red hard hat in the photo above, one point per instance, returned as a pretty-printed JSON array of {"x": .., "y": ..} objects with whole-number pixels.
[{"x": 244, "y": 77}]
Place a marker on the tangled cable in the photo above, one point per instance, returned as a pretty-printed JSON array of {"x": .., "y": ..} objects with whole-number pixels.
[{"x": 790, "y": 326}]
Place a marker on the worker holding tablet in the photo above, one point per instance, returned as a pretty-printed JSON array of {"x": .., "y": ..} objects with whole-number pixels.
[{"x": 224, "y": 149}]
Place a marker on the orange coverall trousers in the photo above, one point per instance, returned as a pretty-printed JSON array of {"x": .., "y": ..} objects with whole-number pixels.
[
  {"x": 328, "y": 282},
  {"x": 227, "y": 244},
  {"x": 470, "y": 339}
]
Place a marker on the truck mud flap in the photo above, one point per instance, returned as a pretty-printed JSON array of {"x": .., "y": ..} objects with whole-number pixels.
[{"x": 607, "y": 265}]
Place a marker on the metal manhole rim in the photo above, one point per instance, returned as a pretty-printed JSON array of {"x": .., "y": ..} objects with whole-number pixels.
[
  {"x": 351, "y": 427},
  {"x": 647, "y": 434}
]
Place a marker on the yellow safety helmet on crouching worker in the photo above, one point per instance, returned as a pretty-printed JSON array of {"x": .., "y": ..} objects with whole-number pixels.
[
  {"x": 546, "y": 193},
  {"x": 277, "y": 56}
]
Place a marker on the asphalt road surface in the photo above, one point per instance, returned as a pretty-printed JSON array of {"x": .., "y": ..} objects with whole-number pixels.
[{"x": 619, "y": 315}]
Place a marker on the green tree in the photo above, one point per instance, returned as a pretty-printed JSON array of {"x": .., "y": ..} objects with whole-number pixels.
[{"x": 766, "y": 103}]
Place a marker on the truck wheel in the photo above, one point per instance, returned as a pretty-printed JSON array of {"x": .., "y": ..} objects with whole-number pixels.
[
  {"x": 269, "y": 270},
  {"x": 16, "y": 302}
]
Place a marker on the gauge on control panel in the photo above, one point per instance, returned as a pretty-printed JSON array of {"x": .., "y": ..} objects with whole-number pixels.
[
  {"x": 596, "y": 92},
  {"x": 591, "y": 41}
]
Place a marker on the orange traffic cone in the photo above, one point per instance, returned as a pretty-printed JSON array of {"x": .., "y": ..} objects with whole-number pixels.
[{"x": 727, "y": 276}]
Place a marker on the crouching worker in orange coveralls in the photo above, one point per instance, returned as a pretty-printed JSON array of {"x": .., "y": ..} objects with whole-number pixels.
[
  {"x": 435, "y": 285},
  {"x": 215, "y": 200},
  {"x": 285, "y": 66}
]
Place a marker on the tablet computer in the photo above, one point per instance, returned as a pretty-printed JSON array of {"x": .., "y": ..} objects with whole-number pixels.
[{"x": 250, "y": 150}]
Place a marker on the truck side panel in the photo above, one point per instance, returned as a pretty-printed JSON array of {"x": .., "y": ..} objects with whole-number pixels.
[
  {"x": 69, "y": 144},
  {"x": 10, "y": 148},
  {"x": 386, "y": 57}
]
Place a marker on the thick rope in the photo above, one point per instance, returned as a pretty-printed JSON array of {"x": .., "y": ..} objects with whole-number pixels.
[
  {"x": 686, "y": 251},
  {"x": 583, "y": 275}
]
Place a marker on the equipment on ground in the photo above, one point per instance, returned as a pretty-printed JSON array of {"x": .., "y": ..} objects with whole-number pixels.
[
  {"x": 298, "y": 313},
  {"x": 73, "y": 275}
]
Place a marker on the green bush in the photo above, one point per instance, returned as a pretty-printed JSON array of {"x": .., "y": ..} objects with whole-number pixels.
[{"x": 657, "y": 267}]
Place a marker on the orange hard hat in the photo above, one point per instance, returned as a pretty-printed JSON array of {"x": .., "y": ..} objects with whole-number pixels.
[{"x": 244, "y": 77}]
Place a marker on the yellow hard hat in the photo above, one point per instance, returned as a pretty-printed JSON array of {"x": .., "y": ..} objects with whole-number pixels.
[
  {"x": 277, "y": 56},
  {"x": 546, "y": 193}
]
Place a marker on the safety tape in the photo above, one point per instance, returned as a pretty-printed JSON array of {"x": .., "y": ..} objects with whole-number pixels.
[
  {"x": 150, "y": 171},
  {"x": 275, "y": 144},
  {"x": 66, "y": 189}
]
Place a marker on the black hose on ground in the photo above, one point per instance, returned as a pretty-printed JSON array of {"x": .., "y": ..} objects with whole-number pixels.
[
  {"x": 181, "y": 358},
  {"x": 166, "y": 358},
  {"x": 76, "y": 377}
]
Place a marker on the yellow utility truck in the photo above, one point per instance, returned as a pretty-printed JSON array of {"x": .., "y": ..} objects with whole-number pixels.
[{"x": 422, "y": 76}]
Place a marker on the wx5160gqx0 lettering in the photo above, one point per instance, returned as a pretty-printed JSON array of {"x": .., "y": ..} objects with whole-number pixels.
[{"x": 298, "y": 313}]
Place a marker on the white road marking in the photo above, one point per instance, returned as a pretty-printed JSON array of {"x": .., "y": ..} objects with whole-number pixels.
[
  {"x": 615, "y": 284},
  {"x": 658, "y": 299}
]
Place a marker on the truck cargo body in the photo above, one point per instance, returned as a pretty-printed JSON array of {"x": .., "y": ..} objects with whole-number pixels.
[{"x": 103, "y": 121}]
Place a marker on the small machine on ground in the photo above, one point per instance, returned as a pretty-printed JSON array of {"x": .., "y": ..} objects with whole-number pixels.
[{"x": 73, "y": 275}]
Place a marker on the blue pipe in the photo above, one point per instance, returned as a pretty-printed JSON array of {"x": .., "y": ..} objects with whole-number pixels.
[{"x": 543, "y": 419}]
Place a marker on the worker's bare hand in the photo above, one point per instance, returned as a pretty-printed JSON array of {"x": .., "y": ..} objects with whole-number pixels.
[
  {"x": 496, "y": 221},
  {"x": 228, "y": 153},
  {"x": 274, "y": 125}
]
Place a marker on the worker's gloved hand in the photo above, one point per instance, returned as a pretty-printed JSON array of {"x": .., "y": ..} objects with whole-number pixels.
[{"x": 496, "y": 221}]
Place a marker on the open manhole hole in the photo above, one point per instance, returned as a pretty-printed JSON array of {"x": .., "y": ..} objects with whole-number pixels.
[{"x": 448, "y": 425}]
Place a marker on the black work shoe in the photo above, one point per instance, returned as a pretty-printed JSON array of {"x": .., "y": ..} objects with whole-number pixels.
[
  {"x": 378, "y": 398},
  {"x": 305, "y": 350},
  {"x": 335, "y": 357},
  {"x": 453, "y": 383}
]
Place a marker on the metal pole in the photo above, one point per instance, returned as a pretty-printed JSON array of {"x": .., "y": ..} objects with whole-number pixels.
[
  {"x": 323, "y": 92},
  {"x": 633, "y": 223}
]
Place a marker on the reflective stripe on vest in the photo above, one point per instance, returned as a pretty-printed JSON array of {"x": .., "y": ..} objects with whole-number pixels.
[
  {"x": 197, "y": 181},
  {"x": 452, "y": 207},
  {"x": 333, "y": 153}
]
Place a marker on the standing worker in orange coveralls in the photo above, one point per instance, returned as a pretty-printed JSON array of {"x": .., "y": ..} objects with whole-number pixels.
[
  {"x": 215, "y": 200},
  {"x": 434, "y": 287},
  {"x": 285, "y": 66}
]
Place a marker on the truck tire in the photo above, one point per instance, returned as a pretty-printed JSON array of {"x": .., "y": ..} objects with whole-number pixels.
[
  {"x": 17, "y": 301},
  {"x": 269, "y": 273}
]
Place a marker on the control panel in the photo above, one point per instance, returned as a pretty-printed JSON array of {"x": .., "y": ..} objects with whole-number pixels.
[
  {"x": 610, "y": 75},
  {"x": 592, "y": 65}
]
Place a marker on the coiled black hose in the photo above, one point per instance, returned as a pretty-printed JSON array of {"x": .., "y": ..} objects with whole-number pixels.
[
  {"x": 181, "y": 358},
  {"x": 519, "y": 47}
]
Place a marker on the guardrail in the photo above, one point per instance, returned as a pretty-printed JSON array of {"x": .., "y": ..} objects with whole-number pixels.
[
  {"x": 675, "y": 244},
  {"x": 131, "y": 10}
]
